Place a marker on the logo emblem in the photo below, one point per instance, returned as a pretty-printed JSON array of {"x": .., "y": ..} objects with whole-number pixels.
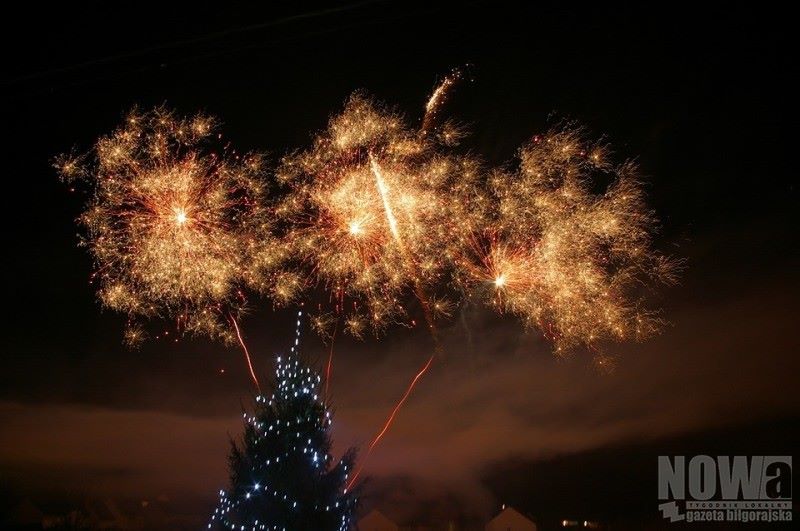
[{"x": 725, "y": 488}]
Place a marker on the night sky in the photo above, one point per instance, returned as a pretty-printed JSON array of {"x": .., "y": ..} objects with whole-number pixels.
[{"x": 700, "y": 99}]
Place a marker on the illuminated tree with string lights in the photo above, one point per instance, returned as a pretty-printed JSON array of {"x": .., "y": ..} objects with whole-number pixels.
[{"x": 283, "y": 476}]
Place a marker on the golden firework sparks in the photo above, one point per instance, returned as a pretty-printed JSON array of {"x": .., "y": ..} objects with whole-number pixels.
[
  {"x": 437, "y": 101},
  {"x": 175, "y": 229},
  {"x": 563, "y": 258},
  {"x": 376, "y": 210}
]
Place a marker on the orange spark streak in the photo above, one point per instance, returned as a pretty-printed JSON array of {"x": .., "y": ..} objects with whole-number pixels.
[
  {"x": 329, "y": 367},
  {"x": 390, "y": 420},
  {"x": 246, "y": 353},
  {"x": 400, "y": 403}
]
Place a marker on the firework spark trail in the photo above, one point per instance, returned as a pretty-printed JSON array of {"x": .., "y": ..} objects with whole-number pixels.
[
  {"x": 384, "y": 191},
  {"x": 438, "y": 350},
  {"x": 439, "y": 98},
  {"x": 246, "y": 353},
  {"x": 329, "y": 366},
  {"x": 390, "y": 419},
  {"x": 419, "y": 290}
]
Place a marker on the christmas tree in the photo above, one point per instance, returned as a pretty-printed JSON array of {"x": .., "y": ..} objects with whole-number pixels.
[{"x": 282, "y": 474}]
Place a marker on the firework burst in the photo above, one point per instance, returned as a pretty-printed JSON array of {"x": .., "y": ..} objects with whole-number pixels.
[
  {"x": 175, "y": 229},
  {"x": 565, "y": 259},
  {"x": 376, "y": 209}
]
